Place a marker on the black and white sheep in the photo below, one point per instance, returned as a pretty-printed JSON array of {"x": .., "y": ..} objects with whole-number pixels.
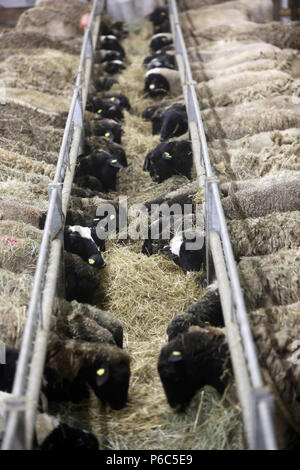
[
  {"x": 111, "y": 43},
  {"x": 160, "y": 40},
  {"x": 79, "y": 240},
  {"x": 161, "y": 81}
]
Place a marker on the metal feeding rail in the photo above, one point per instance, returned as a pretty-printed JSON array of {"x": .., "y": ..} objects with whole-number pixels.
[
  {"x": 21, "y": 408},
  {"x": 256, "y": 399}
]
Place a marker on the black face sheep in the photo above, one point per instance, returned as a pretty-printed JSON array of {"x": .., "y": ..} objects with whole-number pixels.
[
  {"x": 79, "y": 240},
  {"x": 108, "y": 128},
  {"x": 81, "y": 281},
  {"x": 74, "y": 365},
  {"x": 111, "y": 43},
  {"x": 192, "y": 360},
  {"x": 160, "y": 40},
  {"x": 107, "y": 56},
  {"x": 106, "y": 109},
  {"x": 104, "y": 83},
  {"x": 158, "y": 15},
  {"x": 103, "y": 166},
  {"x": 206, "y": 310},
  {"x": 114, "y": 98},
  {"x": 161, "y": 81},
  {"x": 174, "y": 123},
  {"x": 169, "y": 159},
  {"x": 89, "y": 182},
  {"x": 163, "y": 60},
  {"x": 164, "y": 27},
  {"x": 187, "y": 250},
  {"x": 51, "y": 434},
  {"x": 104, "y": 144},
  {"x": 114, "y": 66}
]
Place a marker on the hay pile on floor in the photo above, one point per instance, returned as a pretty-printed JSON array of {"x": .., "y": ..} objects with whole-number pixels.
[
  {"x": 15, "y": 290},
  {"x": 49, "y": 71},
  {"x": 54, "y": 106},
  {"x": 13, "y": 229},
  {"x": 25, "y": 164},
  {"x": 18, "y": 254},
  {"x": 30, "y": 193}
]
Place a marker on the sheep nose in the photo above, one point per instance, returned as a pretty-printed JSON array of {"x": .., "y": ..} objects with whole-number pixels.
[{"x": 103, "y": 265}]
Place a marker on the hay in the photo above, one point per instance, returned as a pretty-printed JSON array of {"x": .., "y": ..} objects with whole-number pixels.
[
  {"x": 33, "y": 193},
  {"x": 13, "y": 229},
  {"x": 25, "y": 164},
  {"x": 48, "y": 71},
  {"x": 15, "y": 291},
  {"x": 55, "y": 106},
  {"x": 18, "y": 254}
]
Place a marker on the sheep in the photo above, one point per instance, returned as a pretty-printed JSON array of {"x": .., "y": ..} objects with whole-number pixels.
[
  {"x": 110, "y": 27},
  {"x": 168, "y": 159},
  {"x": 81, "y": 281},
  {"x": 283, "y": 35},
  {"x": 103, "y": 166},
  {"x": 182, "y": 195},
  {"x": 104, "y": 144},
  {"x": 78, "y": 240},
  {"x": 174, "y": 123},
  {"x": 88, "y": 182},
  {"x": 193, "y": 359},
  {"x": 159, "y": 81},
  {"x": 234, "y": 122},
  {"x": 104, "y": 127},
  {"x": 242, "y": 163},
  {"x": 282, "y": 316},
  {"x": 107, "y": 56},
  {"x": 226, "y": 13},
  {"x": 113, "y": 67},
  {"x": 72, "y": 365},
  {"x": 160, "y": 60},
  {"x": 86, "y": 316},
  {"x": 75, "y": 325},
  {"x": 106, "y": 109},
  {"x": 52, "y": 434},
  {"x": 270, "y": 279},
  {"x": 261, "y": 201},
  {"x": 160, "y": 40},
  {"x": 111, "y": 43},
  {"x": 265, "y": 235},
  {"x": 114, "y": 98},
  {"x": 8, "y": 370},
  {"x": 206, "y": 310},
  {"x": 158, "y": 16},
  {"x": 191, "y": 4},
  {"x": 201, "y": 357},
  {"x": 187, "y": 250},
  {"x": 164, "y": 227},
  {"x": 102, "y": 84}
]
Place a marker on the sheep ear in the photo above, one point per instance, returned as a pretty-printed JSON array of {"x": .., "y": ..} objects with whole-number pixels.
[
  {"x": 175, "y": 356},
  {"x": 102, "y": 375},
  {"x": 115, "y": 163}
]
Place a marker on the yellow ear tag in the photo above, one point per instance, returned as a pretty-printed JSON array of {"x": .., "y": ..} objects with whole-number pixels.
[
  {"x": 176, "y": 353},
  {"x": 164, "y": 39},
  {"x": 113, "y": 161},
  {"x": 100, "y": 372},
  {"x": 107, "y": 134},
  {"x": 99, "y": 111},
  {"x": 112, "y": 98},
  {"x": 151, "y": 86},
  {"x": 112, "y": 217},
  {"x": 91, "y": 261},
  {"x": 96, "y": 220},
  {"x": 162, "y": 13}
]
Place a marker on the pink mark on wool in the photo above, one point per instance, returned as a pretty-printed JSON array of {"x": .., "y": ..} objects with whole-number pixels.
[{"x": 10, "y": 240}]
